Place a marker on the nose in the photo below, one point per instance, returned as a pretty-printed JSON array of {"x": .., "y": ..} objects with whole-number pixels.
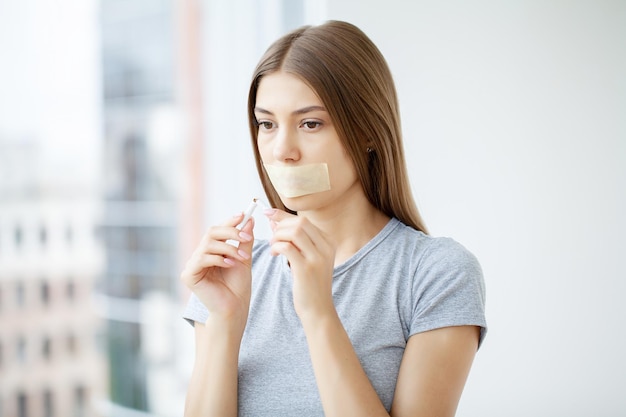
[{"x": 286, "y": 146}]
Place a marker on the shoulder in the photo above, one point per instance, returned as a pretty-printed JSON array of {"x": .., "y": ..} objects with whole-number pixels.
[
  {"x": 442, "y": 278},
  {"x": 430, "y": 252},
  {"x": 448, "y": 287},
  {"x": 444, "y": 264},
  {"x": 447, "y": 253},
  {"x": 441, "y": 267}
]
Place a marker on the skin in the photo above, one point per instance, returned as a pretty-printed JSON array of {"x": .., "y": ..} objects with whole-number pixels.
[{"x": 294, "y": 129}]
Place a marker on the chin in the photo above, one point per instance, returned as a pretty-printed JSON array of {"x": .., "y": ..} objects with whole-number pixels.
[{"x": 301, "y": 203}]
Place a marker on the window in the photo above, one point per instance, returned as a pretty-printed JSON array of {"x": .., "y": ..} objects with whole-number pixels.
[
  {"x": 18, "y": 235},
  {"x": 71, "y": 344},
  {"x": 80, "y": 401},
  {"x": 20, "y": 295},
  {"x": 70, "y": 290},
  {"x": 21, "y": 349},
  {"x": 22, "y": 405},
  {"x": 46, "y": 348},
  {"x": 45, "y": 293},
  {"x": 48, "y": 403},
  {"x": 43, "y": 236}
]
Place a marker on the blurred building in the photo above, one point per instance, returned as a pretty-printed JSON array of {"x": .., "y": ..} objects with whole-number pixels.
[
  {"x": 113, "y": 116},
  {"x": 141, "y": 174},
  {"x": 161, "y": 60},
  {"x": 51, "y": 344},
  {"x": 51, "y": 361}
]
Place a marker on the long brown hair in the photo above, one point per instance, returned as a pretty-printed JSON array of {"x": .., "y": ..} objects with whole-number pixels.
[{"x": 351, "y": 77}]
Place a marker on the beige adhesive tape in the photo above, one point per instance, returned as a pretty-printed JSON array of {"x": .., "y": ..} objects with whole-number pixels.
[{"x": 296, "y": 181}]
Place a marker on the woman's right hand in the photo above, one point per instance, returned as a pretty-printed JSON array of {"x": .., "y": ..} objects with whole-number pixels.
[{"x": 219, "y": 274}]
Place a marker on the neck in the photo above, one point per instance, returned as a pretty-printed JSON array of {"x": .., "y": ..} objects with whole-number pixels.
[{"x": 349, "y": 227}]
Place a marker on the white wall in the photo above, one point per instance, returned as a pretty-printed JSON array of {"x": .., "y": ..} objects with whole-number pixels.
[
  {"x": 511, "y": 113},
  {"x": 49, "y": 85},
  {"x": 514, "y": 119}
]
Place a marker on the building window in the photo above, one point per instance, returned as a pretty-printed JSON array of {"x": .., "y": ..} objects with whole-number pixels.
[
  {"x": 46, "y": 348},
  {"x": 71, "y": 344},
  {"x": 70, "y": 290},
  {"x": 80, "y": 401},
  {"x": 20, "y": 295},
  {"x": 48, "y": 404},
  {"x": 18, "y": 236},
  {"x": 22, "y": 405},
  {"x": 43, "y": 236},
  {"x": 21, "y": 349},
  {"x": 45, "y": 293}
]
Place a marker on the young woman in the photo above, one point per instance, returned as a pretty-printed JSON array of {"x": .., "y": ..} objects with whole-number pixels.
[{"x": 351, "y": 308}]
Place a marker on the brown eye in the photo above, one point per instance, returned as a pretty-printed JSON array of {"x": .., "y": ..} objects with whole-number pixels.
[
  {"x": 265, "y": 125},
  {"x": 311, "y": 124}
]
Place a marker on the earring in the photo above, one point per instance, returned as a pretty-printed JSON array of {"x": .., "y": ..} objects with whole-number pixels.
[{"x": 369, "y": 149}]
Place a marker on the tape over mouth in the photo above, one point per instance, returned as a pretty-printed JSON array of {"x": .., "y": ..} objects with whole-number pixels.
[{"x": 299, "y": 180}]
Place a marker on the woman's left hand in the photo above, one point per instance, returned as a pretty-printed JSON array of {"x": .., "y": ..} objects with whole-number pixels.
[{"x": 311, "y": 257}]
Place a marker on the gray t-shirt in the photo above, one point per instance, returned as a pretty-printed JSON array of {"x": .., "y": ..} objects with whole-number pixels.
[{"x": 400, "y": 283}]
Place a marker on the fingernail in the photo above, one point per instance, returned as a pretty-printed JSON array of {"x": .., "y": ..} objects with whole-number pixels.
[
  {"x": 269, "y": 212},
  {"x": 238, "y": 214},
  {"x": 229, "y": 261},
  {"x": 243, "y": 254},
  {"x": 245, "y": 237}
]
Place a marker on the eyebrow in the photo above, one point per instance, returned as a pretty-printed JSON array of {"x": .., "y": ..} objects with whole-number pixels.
[{"x": 303, "y": 110}]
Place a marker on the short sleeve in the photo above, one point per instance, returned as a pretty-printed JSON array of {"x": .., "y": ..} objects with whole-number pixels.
[
  {"x": 195, "y": 310},
  {"x": 448, "y": 289}
]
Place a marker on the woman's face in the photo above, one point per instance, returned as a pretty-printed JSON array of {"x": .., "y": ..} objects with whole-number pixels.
[{"x": 295, "y": 130}]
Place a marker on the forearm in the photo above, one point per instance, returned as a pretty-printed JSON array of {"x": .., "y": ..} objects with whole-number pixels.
[
  {"x": 213, "y": 385},
  {"x": 343, "y": 385}
]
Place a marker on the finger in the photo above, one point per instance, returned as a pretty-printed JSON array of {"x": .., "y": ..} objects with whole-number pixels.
[
  {"x": 301, "y": 233},
  {"x": 197, "y": 266},
  {"x": 246, "y": 242},
  {"x": 205, "y": 258},
  {"x": 277, "y": 215},
  {"x": 225, "y": 232},
  {"x": 287, "y": 249},
  {"x": 279, "y": 219},
  {"x": 231, "y": 222},
  {"x": 226, "y": 250},
  {"x": 246, "y": 235},
  {"x": 211, "y": 260},
  {"x": 298, "y": 239},
  {"x": 215, "y": 254}
]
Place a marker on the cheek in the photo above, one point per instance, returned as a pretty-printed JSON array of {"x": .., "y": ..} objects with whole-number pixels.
[
  {"x": 342, "y": 169},
  {"x": 264, "y": 150}
]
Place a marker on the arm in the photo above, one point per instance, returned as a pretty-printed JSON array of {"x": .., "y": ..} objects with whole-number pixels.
[
  {"x": 434, "y": 368},
  {"x": 219, "y": 274},
  {"x": 213, "y": 385},
  {"x": 344, "y": 387},
  {"x": 435, "y": 364},
  {"x": 433, "y": 372}
]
